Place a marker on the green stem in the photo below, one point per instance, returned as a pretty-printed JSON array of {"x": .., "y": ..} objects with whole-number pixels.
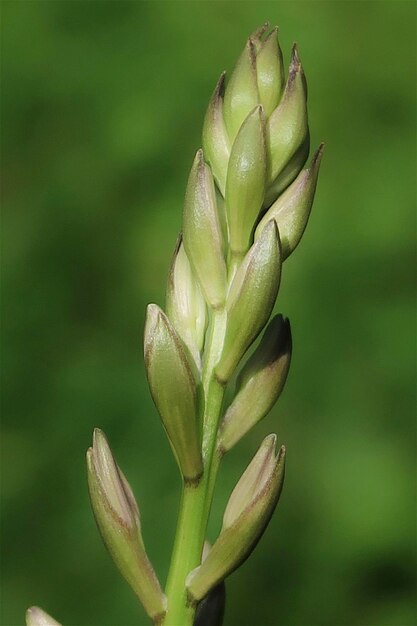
[
  {"x": 186, "y": 555},
  {"x": 196, "y": 499}
]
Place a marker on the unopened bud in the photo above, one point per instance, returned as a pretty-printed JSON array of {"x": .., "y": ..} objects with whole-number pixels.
[
  {"x": 241, "y": 95},
  {"x": 247, "y": 515},
  {"x": 259, "y": 384},
  {"x": 173, "y": 390},
  {"x": 251, "y": 299},
  {"x": 117, "y": 517},
  {"x": 246, "y": 177},
  {"x": 270, "y": 72},
  {"x": 289, "y": 173},
  {"x": 215, "y": 138},
  {"x": 292, "y": 209},
  {"x": 36, "y": 617},
  {"x": 186, "y": 307},
  {"x": 202, "y": 233},
  {"x": 288, "y": 125}
]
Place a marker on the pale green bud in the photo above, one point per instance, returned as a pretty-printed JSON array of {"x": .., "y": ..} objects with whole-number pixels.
[
  {"x": 251, "y": 299},
  {"x": 241, "y": 95},
  {"x": 292, "y": 209},
  {"x": 186, "y": 307},
  {"x": 288, "y": 174},
  {"x": 246, "y": 177},
  {"x": 247, "y": 515},
  {"x": 215, "y": 138},
  {"x": 288, "y": 125},
  {"x": 210, "y": 610},
  {"x": 202, "y": 233},
  {"x": 117, "y": 517},
  {"x": 259, "y": 384},
  {"x": 36, "y": 617},
  {"x": 173, "y": 389},
  {"x": 270, "y": 72}
]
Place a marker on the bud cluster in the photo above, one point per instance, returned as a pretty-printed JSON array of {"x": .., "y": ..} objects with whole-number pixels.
[{"x": 247, "y": 204}]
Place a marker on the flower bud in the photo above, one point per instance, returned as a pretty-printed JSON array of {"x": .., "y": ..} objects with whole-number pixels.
[
  {"x": 246, "y": 177},
  {"x": 202, "y": 233},
  {"x": 241, "y": 95},
  {"x": 270, "y": 72},
  {"x": 173, "y": 390},
  {"x": 292, "y": 209},
  {"x": 186, "y": 307},
  {"x": 247, "y": 515},
  {"x": 215, "y": 138},
  {"x": 288, "y": 174},
  {"x": 36, "y": 617},
  {"x": 210, "y": 611},
  {"x": 259, "y": 384},
  {"x": 251, "y": 299},
  {"x": 117, "y": 517},
  {"x": 288, "y": 126}
]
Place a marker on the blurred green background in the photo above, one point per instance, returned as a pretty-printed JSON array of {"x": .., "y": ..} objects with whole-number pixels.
[{"x": 102, "y": 107}]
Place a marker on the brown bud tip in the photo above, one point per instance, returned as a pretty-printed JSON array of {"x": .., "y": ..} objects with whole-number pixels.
[
  {"x": 272, "y": 34},
  {"x": 315, "y": 161},
  {"x": 252, "y": 52},
  {"x": 281, "y": 454},
  {"x": 257, "y": 34},
  {"x": 219, "y": 89},
  {"x": 295, "y": 58}
]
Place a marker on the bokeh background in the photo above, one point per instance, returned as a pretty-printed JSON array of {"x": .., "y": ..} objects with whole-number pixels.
[{"x": 102, "y": 107}]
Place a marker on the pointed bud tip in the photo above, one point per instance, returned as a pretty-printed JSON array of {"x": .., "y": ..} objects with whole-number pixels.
[
  {"x": 317, "y": 156},
  {"x": 153, "y": 315},
  {"x": 259, "y": 112},
  {"x": 98, "y": 435},
  {"x": 257, "y": 34},
  {"x": 177, "y": 245},
  {"x": 37, "y": 617},
  {"x": 295, "y": 65},
  {"x": 152, "y": 310},
  {"x": 295, "y": 57},
  {"x": 219, "y": 89},
  {"x": 272, "y": 34},
  {"x": 271, "y": 227},
  {"x": 281, "y": 454},
  {"x": 199, "y": 157},
  {"x": 270, "y": 441},
  {"x": 251, "y": 48}
]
